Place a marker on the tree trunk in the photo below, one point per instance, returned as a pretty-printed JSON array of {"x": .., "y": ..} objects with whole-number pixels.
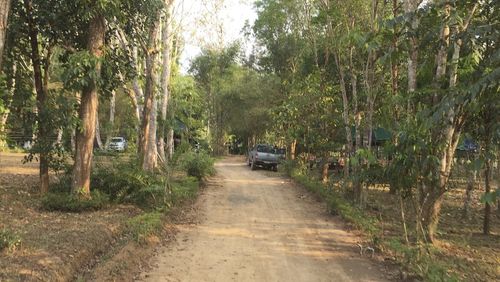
[
  {"x": 170, "y": 143},
  {"x": 146, "y": 152},
  {"x": 98, "y": 133},
  {"x": 151, "y": 159},
  {"x": 41, "y": 97},
  {"x": 442, "y": 55},
  {"x": 112, "y": 110},
  {"x": 137, "y": 93},
  {"x": 487, "y": 205},
  {"x": 88, "y": 113},
  {"x": 135, "y": 82},
  {"x": 12, "y": 87},
  {"x": 293, "y": 149},
  {"x": 394, "y": 63},
  {"x": 167, "y": 37},
  {"x": 411, "y": 7},
  {"x": 4, "y": 16},
  {"x": 73, "y": 141},
  {"x": 431, "y": 207},
  {"x": 345, "y": 116},
  {"x": 448, "y": 134},
  {"x": 324, "y": 169},
  {"x": 135, "y": 103},
  {"x": 357, "y": 188},
  {"x": 471, "y": 182}
]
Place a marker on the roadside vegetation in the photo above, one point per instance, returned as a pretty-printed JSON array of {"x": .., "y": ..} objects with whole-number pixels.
[
  {"x": 127, "y": 204},
  {"x": 387, "y": 110}
]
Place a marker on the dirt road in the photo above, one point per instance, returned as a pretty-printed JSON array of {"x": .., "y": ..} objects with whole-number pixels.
[{"x": 255, "y": 226}]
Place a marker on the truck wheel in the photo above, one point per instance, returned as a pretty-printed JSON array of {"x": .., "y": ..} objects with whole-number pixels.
[{"x": 275, "y": 168}]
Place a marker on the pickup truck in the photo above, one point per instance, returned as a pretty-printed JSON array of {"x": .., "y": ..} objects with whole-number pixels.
[{"x": 264, "y": 156}]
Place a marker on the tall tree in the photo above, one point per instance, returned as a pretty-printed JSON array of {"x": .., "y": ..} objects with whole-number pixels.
[
  {"x": 167, "y": 40},
  {"x": 147, "y": 139},
  {"x": 4, "y": 16},
  {"x": 41, "y": 82},
  {"x": 88, "y": 107}
]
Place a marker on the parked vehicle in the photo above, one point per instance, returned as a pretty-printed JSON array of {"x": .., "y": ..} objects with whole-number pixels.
[
  {"x": 117, "y": 144},
  {"x": 262, "y": 155}
]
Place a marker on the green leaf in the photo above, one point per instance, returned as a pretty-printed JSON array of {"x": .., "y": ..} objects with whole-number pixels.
[{"x": 491, "y": 197}]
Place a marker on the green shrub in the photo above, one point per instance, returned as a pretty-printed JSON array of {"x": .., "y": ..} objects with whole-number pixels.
[
  {"x": 9, "y": 240},
  {"x": 151, "y": 197},
  {"x": 144, "y": 225},
  {"x": 67, "y": 202},
  {"x": 124, "y": 181},
  {"x": 198, "y": 165}
]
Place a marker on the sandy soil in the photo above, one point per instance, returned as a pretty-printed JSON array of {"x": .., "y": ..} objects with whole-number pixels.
[{"x": 256, "y": 226}]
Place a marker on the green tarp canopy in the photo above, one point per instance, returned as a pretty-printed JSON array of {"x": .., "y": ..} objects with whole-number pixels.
[
  {"x": 179, "y": 126},
  {"x": 379, "y": 135}
]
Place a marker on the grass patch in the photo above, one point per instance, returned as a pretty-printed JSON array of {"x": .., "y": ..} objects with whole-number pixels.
[
  {"x": 424, "y": 261},
  {"x": 68, "y": 202},
  {"x": 9, "y": 240},
  {"x": 337, "y": 205},
  {"x": 184, "y": 189},
  {"x": 145, "y": 225}
]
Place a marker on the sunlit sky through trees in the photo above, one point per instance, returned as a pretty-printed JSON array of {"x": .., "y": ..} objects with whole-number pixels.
[{"x": 201, "y": 21}]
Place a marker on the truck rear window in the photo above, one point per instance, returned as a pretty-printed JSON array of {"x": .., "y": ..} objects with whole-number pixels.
[{"x": 265, "y": 149}]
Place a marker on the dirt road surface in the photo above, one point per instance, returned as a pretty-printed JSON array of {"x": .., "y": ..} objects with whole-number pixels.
[{"x": 256, "y": 226}]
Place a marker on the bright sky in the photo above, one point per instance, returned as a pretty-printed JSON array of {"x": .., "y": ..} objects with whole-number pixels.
[{"x": 199, "y": 22}]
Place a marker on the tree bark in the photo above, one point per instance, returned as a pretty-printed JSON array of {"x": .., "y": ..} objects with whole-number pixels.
[
  {"x": 88, "y": 113},
  {"x": 293, "y": 149},
  {"x": 357, "y": 188},
  {"x": 170, "y": 143},
  {"x": 12, "y": 87},
  {"x": 112, "y": 109},
  {"x": 324, "y": 169},
  {"x": 345, "y": 115},
  {"x": 411, "y": 7},
  {"x": 135, "y": 103},
  {"x": 167, "y": 37},
  {"x": 370, "y": 79},
  {"x": 137, "y": 93},
  {"x": 442, "y": 55},
  {"x": 41, "y": 97},
  {"x": 432, "y": 192},
  {"x": 147, "y": 155},
  {"x": 448, "y": 135},
  {"x": 394, "y": 63},
  {"x": 431, "y": 208},
  {"x": 151, "y": 159},
  {"x": 471, "y": 182},
  {"x": 98, "y": 138},
  {"x": 487, "y": 206},
  {"x": 4, "y": 17}
]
